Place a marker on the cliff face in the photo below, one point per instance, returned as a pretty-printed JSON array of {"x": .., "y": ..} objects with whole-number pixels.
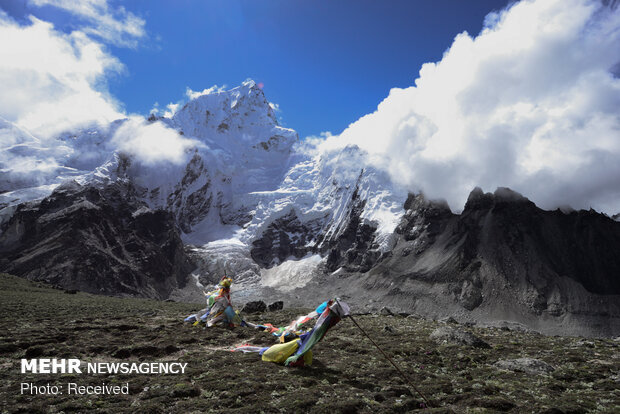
[
  {"x": 503, "y": 258},
  {"x": 349, "y": 242},
  {"x": 99, "y": 240},
  {"x": 521, "y": 240}
]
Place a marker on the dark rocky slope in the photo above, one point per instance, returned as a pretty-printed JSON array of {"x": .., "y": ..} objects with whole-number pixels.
[
  {"x": 349, "y": 243},
  {"x": 99, "y": 240},
  {"x": 502, "y": 258}
]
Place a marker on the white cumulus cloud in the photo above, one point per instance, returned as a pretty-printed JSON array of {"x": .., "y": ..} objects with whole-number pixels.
[
  {"x": 52, "y": 81},
  {"x": 152, "y": 142},
  {"x": 55, "y": 82},
  {"x": 531, "y": 103}
]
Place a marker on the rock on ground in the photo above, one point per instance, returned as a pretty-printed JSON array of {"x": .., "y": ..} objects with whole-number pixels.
[
  {"x": 254, "y": 307},
  {"x": 527, "y": 365},
  {"x": 275, "y": 306},
  {"x": 457, "y": 336},
  {"x": 449, "y": 319}
]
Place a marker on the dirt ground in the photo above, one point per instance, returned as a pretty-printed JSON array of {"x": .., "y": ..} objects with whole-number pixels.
[{"x": 348, "y": 375}]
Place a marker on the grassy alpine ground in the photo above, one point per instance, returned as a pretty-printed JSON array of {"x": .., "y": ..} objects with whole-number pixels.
[{"x": 348, "y": 374}]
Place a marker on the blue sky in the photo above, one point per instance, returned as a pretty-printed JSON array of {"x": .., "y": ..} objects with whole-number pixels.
[
  {"x": 325, "y": 63},
  {"x": 530, "y": 103}
]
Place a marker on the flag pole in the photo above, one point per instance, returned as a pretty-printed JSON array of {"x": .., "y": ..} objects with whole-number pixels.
[{"x": 428, "y": 404}]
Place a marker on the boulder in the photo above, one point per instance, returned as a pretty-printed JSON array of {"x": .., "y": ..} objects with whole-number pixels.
[
  {"x": 457, "y": 336},
  {"x": 276, "y": 306},
  {"x": 254, "y": 307},
  {"x": 449, "y": 319},
  {"x": 513, "y": 326},
  {"x": 527, "y": 365}
]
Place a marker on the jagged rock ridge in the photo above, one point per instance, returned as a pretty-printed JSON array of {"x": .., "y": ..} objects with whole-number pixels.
[
  {"x": 98, "y": 240},
  {"x": 504, "y": 258}
]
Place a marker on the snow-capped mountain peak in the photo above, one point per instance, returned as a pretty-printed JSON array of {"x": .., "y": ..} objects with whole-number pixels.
[{"x": 239, "y": 117}]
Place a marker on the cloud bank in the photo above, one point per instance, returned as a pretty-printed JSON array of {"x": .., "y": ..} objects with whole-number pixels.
[
  {"x": 52, "y": 81},
  {"x": 531, "y": 103},
  {"x": 55, "y": 108}
]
